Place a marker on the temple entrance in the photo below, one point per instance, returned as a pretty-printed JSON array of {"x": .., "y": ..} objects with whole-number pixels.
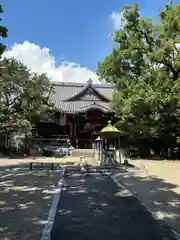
[
  {"x": 88, "y": 125},
  {"x": 86, "y": 136}
]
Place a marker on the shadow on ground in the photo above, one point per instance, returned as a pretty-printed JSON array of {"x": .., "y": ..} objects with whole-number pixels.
[
  {"x": 94, "y": 207},
  {"x": 157, "y": 194},
  {"x": 25, "y": 199}
]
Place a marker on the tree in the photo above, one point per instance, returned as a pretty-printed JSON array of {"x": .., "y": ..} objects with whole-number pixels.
[
  {"x": 144, "y": 68},
  {"x": 24, "y": 97},
  {"x": 3, "y": 33}
]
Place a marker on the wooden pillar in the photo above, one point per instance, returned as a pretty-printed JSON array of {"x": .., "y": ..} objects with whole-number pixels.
[
  {"x": 99, "y": 150},
  {"x": 73, "y": 131}
]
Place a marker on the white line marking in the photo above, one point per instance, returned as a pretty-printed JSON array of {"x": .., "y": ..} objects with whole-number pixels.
[
  {"x": 122, "y": 187},
  {"x": 46, "y": 235},
  {"x": 176, "y": 234}
]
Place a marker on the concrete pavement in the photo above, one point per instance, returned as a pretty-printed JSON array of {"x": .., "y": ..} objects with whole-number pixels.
[{"x": 94, "y": 207}]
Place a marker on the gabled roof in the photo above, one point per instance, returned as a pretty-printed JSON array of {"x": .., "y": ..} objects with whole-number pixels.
[
  {"x": 88, "y": 89},
  {"x": 94, "y": 105},
  {"x": 68, "y": 97}
]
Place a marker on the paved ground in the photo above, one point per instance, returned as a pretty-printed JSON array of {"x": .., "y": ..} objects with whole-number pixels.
[
  {"x": 22, "y": 161},
  {"x": 95, "y": 207},
  {"x": 157, "y": 185},
  {"x": 25, "y": 199},
  {"x": 162, "y": 169}
]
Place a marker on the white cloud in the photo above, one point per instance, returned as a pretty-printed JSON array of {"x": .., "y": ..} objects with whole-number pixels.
[
  {"x": 117, "y": 19},
  {"x": 41, "y": 61}
]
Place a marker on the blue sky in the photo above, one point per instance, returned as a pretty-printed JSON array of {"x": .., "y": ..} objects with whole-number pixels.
[{"x": 74, "y": 31}]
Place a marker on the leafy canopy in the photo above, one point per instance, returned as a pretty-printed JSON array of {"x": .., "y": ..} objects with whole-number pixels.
[
  {"x": 24, "y": 96},
  {"x": 144, "y": 68}
]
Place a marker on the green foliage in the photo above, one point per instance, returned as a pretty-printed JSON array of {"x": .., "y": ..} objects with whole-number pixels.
[
  {"x": 144, "y": 68},
  {"x": 24, "y": 96},
  {"x": 3, "y": 33}
]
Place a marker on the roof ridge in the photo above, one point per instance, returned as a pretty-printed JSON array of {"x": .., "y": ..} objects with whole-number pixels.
[
  {"x": 86, "y": 87},
  {"x": 68, "y": 84},
  {"x": 78, "y": 84}
]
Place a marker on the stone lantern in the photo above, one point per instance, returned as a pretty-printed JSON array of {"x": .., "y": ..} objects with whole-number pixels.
[{"x": 110, "y": 145}]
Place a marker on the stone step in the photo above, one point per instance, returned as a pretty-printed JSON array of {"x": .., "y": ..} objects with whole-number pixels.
[{"x": 83, "y": 152}]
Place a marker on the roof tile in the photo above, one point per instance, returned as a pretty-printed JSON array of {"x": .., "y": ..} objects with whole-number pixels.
[{"x": 63, "y": 91}]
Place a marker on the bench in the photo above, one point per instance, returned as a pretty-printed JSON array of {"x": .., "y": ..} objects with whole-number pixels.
[{"x": 41, "y": 164}]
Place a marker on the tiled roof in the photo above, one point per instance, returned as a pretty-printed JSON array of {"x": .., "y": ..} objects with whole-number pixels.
[
  {"x": 103, "y": 106},
  {"x": 63, "y": 91},
  {"x": 80, "y": 106}
]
